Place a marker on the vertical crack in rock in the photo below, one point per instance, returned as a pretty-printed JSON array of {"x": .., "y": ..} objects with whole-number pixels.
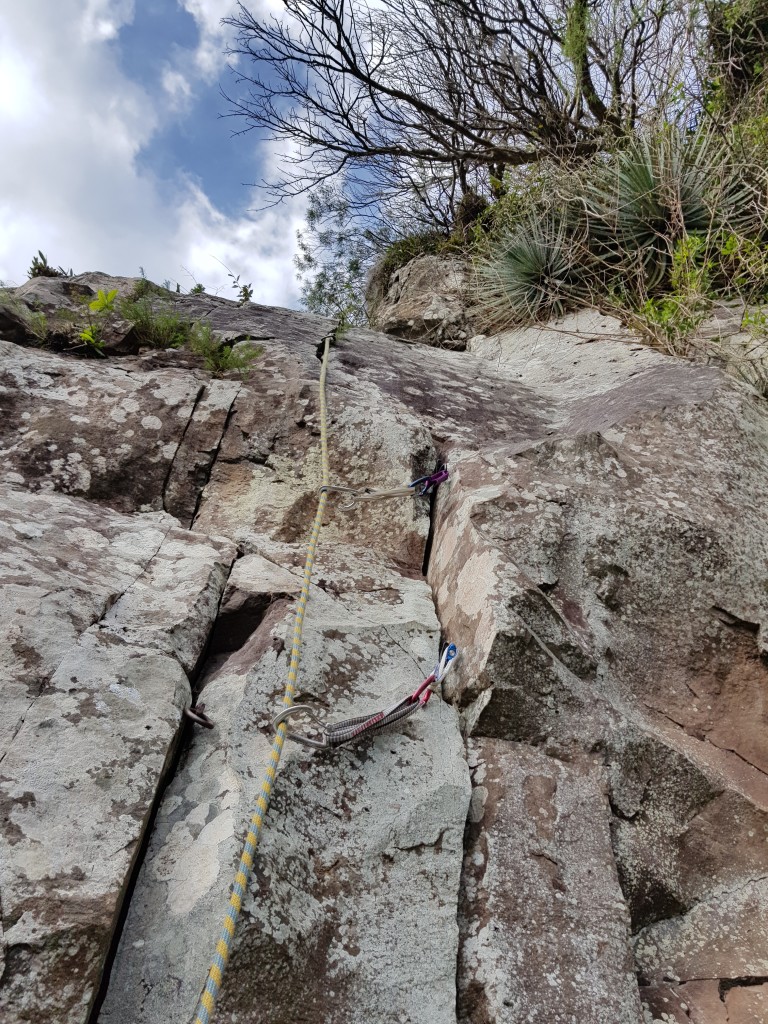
[
  {"x": 182, "y": 742},
  {"x": 172, "y": 463},
  {"x": 430, "y": 534},
  {"x": 214, "y": 456},
  {"x": 113, "y": 607}
]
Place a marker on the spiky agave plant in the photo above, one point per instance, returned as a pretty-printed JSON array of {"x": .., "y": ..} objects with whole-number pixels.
[
  {"x": 533, "y": 271},
  {"x": 664, "y": 185}
]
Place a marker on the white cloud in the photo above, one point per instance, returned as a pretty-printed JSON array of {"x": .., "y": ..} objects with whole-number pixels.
[
  {"x": 260, "y": 250},
  {"x": 103, "y": 19},
  {"x": 214, "y": 37},
  {"x": 73, "y": 127},
  {"x": 177, "y": 87}
]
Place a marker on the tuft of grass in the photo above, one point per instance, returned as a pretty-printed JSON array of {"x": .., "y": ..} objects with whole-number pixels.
[
  {"x": 157, "y": 327},
  {"x": 533, "y": 273},
  {"x": 220, "y": 358},
  {"x": 38, "y": 324},
  {"x": 35, "y": 322},
  {"x": 144, "y": 289}
]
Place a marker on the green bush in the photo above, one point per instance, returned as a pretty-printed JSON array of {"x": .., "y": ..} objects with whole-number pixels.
[
  {"x": 425, "y": 243},
  {"x": 41, "y": 268},
  {"x": 667, "y": 215},
  {"x": 158, "y": 326},
  {"x": 220, "y": 358}
]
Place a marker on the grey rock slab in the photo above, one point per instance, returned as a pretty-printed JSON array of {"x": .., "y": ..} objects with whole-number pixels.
[
  {"x": 54, "y": 293},
  {"x": 101, "y": 615},
  {"x": 268, "y": 472},
  {"x": 467, "y": 403},
  {"x": 63, "y": 563},
  {"x": 67, "y": 565},
  {"x": 173, "y": 604},
  {"x": 92, "y": 430},
  {"x": 723, "y": 936},
  {"x": 584, "y": 353},
  {"x": 351, "y": 914},
  {"x": 599, "y": 556},
  {"x": 544, "y": 928},
  {"x": 76, "y": 788},
  {"x": 685, "y": 826}
]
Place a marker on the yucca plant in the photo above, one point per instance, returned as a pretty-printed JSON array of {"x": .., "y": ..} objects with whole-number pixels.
[
  {"x": 664, "y": 185},
  {"x": 534, "y": 271},
  {"x": 608, "y": 230}
]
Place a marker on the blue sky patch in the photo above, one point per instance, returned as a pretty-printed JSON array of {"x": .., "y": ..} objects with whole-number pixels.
[{"x": 195, "y": 140}]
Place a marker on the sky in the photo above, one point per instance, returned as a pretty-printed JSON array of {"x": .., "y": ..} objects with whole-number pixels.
[{"x": 115, "y": 155}]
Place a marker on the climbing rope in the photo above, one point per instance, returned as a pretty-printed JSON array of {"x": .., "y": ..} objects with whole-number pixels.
[
  {"x": 210, "y": 991},
  {"x": 371, "y": 724},
  {"x": 332, "y": 736}
]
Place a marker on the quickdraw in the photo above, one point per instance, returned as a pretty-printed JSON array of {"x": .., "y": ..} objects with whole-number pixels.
[
  {"x": 424, "y": 486},
  {"x": 351, "y": 729}
]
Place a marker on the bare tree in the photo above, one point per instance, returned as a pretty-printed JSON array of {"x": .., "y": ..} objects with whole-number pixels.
[{"x": 429, "y": 99}]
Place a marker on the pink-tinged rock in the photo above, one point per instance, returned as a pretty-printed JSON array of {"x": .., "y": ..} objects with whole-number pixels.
[
  {"x": 747, "y": 1003},
  {"x": 607, "y": 587},
  {"x": 544, "y": 927},
  {"x": 708, "y": 1002},
  {"x": 695, "y": 1002}
]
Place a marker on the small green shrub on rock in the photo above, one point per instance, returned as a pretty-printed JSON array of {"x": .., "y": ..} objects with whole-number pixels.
[
  {"x": 40, "y": 267},
  {"x": 222, "y": 357},
  {"x": 158, "y": 326},
  {"x": 144, "y": 288}
]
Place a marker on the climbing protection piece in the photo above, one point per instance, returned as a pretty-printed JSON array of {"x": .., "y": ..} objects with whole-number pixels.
[
  {"x": 213, "y": 983},
  {"x": 424, "y": 486},
  {"x": 367, "y": 725}
]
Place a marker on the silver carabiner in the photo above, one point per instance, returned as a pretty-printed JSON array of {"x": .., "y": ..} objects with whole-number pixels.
[
  {"x": 353, "y": 492},
  {"x": 286, "y": 713},
  {"x": 366, "y": 492}
]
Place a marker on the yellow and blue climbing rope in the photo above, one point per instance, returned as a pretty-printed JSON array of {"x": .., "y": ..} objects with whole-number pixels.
[{"x": 210, "y": 992}]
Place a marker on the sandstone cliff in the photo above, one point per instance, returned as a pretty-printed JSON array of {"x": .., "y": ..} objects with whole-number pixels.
[{"x": 576, "y": 834}]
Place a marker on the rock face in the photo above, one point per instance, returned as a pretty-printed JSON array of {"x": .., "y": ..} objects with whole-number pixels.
[
  {"x": 425, "y": 300},
  {"x": 103, "y": 618},
  {"x": 553, "y": 946},
  {"x": 593, "y": 849}
]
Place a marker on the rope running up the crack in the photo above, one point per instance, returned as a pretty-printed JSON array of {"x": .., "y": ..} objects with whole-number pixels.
[{"x": 210, "y": 992}]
